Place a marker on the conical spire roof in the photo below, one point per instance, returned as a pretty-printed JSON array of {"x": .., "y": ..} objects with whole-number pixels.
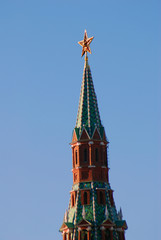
[{"x": 88, "y": 116}]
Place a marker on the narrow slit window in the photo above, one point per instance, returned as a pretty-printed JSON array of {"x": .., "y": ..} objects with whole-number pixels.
[
  {"x": 105, "y": 157},
  {"x": 75, "y": 197},
  {"x": 76, "y": 157},
  {"x": 101, "y": 198},
  {"x": 85, "y": 155},
  {"x": 85, "y": 197},
  {"x": 65, "y": 236},
  {"x": 102, "y": 156},
  {"x": 72, "y": 200},
  {"x": 107, "y": 235},
  {"x": 84, "y": 235},
  {"x": 96, "y": 155}
]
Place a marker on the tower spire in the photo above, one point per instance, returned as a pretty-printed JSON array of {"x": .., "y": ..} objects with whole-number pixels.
[
  {"x": 88, "y": 116},
  {"x": 92, "y": 213}
]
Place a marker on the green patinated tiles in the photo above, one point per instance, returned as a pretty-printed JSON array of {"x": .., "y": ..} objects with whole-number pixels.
[
  {"x": 94, "y": 212},
  {"x": 88, "y": 116}
]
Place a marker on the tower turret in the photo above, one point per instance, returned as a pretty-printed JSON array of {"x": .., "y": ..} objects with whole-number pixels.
[
  {"x": 89, "y": 143},
  {"x": 92, "y": 213}
]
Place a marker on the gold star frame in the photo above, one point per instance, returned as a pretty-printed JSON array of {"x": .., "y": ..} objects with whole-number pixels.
[{"x": 85, "y": 43}]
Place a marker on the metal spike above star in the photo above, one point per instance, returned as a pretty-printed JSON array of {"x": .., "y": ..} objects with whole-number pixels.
[{"x": 85, "y": 43}]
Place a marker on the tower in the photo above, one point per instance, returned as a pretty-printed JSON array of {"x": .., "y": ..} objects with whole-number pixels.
[{"x": 92, "y": 213}]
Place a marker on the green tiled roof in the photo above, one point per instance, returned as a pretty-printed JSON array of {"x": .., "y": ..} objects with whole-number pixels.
[
  {"x": 121, "y": 223},
  {"x": 94, "y": 212},
  {"x": 88, "y": 116},
  {"x": 69, "y": 225}
]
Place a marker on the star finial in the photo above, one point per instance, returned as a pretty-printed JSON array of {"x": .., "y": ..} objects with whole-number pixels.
[{"x": 85, "y": 43}]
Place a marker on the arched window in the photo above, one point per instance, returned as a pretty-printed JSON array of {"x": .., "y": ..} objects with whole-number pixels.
[
  {"x": 75, "y": 195},
  {"x": 101, "y": 198},
  {"x": 85, "y": 155},
  {"x": 102, "y": 156},
  {"x": 84, "y": 235},
  {"x": 107, "y": 235},
  {"x": 72, "y": 200},
  {"x": 111, "y": 197},
  {"x": 65, "y": 236},
  {"x": 105, "y": 157},
  {"x": 121, "y": 235},
  {"x": 85, "y": 197},
  {"x": 76, "y": 157},
  {"x": 96, "y": 155}
]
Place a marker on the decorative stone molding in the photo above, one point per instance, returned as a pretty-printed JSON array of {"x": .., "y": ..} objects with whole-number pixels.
[
  {"x": 119, "y": 230},
  {"x": 102, "y": 228},
  {"x": 89, "y": 228}
]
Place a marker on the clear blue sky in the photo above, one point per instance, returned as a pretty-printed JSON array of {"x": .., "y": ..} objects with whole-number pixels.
[{"x": 40, "y": 78}]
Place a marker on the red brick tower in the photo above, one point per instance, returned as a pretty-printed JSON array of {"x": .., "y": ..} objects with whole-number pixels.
[{"x": 92, "y": 213}]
